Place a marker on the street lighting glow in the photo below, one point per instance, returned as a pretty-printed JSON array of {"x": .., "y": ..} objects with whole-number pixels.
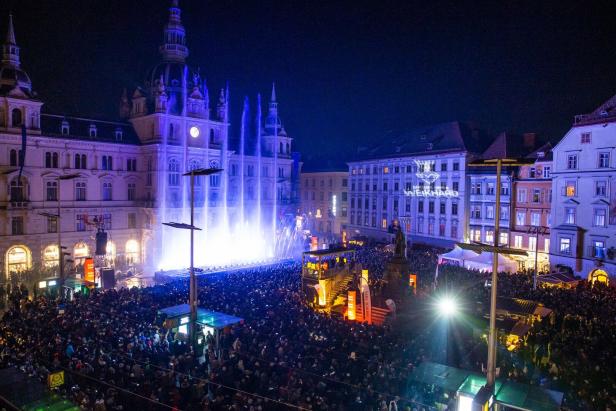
[
  {"x": 447, "y": 306},
  {"x": 194, "y": 131}
]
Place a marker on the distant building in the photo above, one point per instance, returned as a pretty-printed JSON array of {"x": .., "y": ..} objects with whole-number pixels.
[
  {"x": 583, "y": 234},
  {"x": 416, "y": 181},
  {"x": 531, "y": 201},
  {"x": 482, "y": 189},
  {"x": 324, "y": 204}
]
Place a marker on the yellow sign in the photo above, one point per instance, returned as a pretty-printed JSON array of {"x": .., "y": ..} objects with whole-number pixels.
[
  {"x": 351, "y": 305},
  {"x": 55, "y": 379}
]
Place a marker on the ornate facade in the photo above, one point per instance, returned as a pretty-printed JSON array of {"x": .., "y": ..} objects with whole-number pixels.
[{"x": 124, "y": 173}]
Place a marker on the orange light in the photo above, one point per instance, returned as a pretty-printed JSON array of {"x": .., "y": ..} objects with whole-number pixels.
[
  {"x": 351, "y": 305},
  {"x": 88, "y": 270}
]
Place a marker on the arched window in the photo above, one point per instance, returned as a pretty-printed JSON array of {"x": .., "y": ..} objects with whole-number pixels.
[
  {"x": 54, "y": 160},
  {"x": 174, "y": 173},
  {"x": 13, "y": 157},
  {"x": 280, "y": 151},
  {"x": 18, "y": 259},
  {"x": 84, "y": 163},
  {"x": 77, "y": 161},
  {"x": 171, "y": 131},
  {"x": 288, "y": 148},
  {"x": 212, "y": 139},
  {"x": 16, "y": 117}
]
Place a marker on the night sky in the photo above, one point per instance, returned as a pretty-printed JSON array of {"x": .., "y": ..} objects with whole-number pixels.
[{"x": 346, "y": 72}]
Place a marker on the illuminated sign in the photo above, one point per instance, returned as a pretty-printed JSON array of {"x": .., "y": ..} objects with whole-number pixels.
[
  {"x": 334, "y": 205},
  {"x": 88, "y": 270},
  {"x": 184, "y": 320},
  {"x": 425, "y": 172},
  {"x": 55, "y": 379},
  {"x": 351, "y": 305}
]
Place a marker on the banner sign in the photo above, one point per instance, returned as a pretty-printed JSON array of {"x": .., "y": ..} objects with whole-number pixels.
[
  {"x": 88, "y": 270},
  {"x": 55, "y": 379}
]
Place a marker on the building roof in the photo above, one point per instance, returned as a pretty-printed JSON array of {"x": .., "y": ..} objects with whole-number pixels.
[
  {"x": 437, "y": 138},
  {"x": 605, "y": 113},
  {"x": 210, "y": 318},
  {"x": 79, "y": 129},
  {"x": 509, "y": 145}
]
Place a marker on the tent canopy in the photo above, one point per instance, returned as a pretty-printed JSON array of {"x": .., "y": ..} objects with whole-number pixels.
[
  {"x": 458, "y": 254},
  {"x": 475, "y": 261}
]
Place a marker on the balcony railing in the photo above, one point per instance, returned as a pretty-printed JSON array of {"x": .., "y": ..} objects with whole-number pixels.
[{"x": 15, "y": 205}]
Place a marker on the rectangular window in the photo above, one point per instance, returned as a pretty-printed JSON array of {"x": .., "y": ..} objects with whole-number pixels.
[
  {"x": 518, "y": 241},
  {"x": 546, "y": 245},
  {"x": 570, "y": 189},
  {"x": 532, "y": 243},
  {"x": 505, "y": 189},
  {"x": 572, "y": 162},
  {"x": 132, "y": 220},
  {"x": 396, "y": 186},
  {"x": 537, "y": 195},
  {"x": 520, "y": 218},
  {"x": 132, "y": 191},
  {"x": 600, "y": 188},
  {"x": 585, "y": 138},
  {"x": 565, "y": 246},
  {"x": 107, "y": 221},
  {"x": 490, "y": 212},
  {"x": 489, "y": 236},
  {"x": 455, "y": 185},
  {"x": 385, "y": 186},
  {"x": 442, "y": 206},
  {"x": 420, "y": 206},
  {"x": 476, "y": 188},
  {"x": 604, "y": 160},
  {"x": 454, "y": 229},
  {"x": 80, "y": 222},
  {"x": 570, "y": 215},
  {"x": 443, "y": 166},
  {"x": 504, "y": 213},
  {"x": 107, "y": 191},
  {"x": 384, "y": 222},
  {"x": 80, "y": 191},
  {"x": 107, "y": 163},
  {"x": 535, "y": 218},
  {"x": 490, "y": 190},
  {"x": 476, "y": 211},
  {"x": 476, "y": 235},
  {"x": 344, "y": 211},
  {"x": 345, "y": 182},
  {"x": 599, "y": 217},
  {"x": 52, "y": 191},
  {"x": 431, "y": 207},
  {"x": 17, "y": 225},
  {"x": 443, "y": 186},
  {"x": 52, "y": 224},
  {"x": 456, "y": 166},
  {"x": 441, "y": 228},
  {"x": 420, "y": 225},
  {"x": 532, "y": 172},
  {"x": 546, "y": 171},
  {"x": 454, "y": 208},
  {"x": 407, "y": 206},
  {"x": 431, "y": 227},
  {"x": 344, "y": 196},
  {"x": 522, "y": 195},
  {"x": 504, "y": 239}
]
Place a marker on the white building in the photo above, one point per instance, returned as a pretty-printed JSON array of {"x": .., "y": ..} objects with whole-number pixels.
[
  {"x": 129, "y": 171},
  {"x": 415, "y": 180},
  {"x": 583, "y": 234}
]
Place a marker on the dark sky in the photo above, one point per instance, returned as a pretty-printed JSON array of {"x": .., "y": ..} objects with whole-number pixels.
[{"x": 345, "y": 71}]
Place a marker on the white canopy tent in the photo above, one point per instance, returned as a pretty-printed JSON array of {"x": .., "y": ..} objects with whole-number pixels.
[{"x": 474, "y": 261}]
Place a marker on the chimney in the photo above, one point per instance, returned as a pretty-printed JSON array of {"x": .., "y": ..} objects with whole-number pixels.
[{"x": 530, "y": 140}]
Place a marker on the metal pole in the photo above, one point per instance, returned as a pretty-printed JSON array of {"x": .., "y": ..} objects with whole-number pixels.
[
  {"x": 491, "y": 375},
  {"x": 60, "y": 252},
  {"x": 193, "y": 285},
  {"x": 536, "y": 257}
]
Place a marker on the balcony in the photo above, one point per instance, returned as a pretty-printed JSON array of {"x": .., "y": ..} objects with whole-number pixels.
[{"x": 19, "y": 205}]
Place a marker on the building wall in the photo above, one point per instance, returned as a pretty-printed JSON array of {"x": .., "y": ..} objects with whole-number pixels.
[
  {"x": 324, "y": 202},
  {"x": 385, "y": 192},
  {"x": 482, "y": 206},
  {"x": 584, "y": 194},
  {"x": 531, "y": 214}
]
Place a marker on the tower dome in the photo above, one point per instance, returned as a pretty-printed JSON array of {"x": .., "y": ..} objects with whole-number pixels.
[{"x": 12, "y": 77}]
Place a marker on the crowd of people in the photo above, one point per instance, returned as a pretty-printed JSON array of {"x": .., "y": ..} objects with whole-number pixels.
[{"x": 118, "y": 355}]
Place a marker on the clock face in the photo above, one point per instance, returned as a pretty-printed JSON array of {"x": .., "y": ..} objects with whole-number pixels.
[{"x": 194, "y": 131}]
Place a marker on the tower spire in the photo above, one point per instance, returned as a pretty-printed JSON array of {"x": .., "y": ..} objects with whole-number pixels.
[
  {"x": 273, "y": 99},
  {"x": 10, "y": 50},
  {"x": 174, "y": 42}
]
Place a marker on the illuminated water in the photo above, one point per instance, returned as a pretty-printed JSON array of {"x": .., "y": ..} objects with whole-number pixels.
[{"x": 236, "y": 228}]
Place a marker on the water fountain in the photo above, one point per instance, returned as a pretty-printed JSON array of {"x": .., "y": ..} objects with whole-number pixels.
[{"x": 237, "y": 228}]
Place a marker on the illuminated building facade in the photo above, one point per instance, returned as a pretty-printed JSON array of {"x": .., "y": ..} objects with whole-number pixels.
[
  {"x": 417, "y": 181},
  {"x": 583, "y": 235},
  {"x": 129, "y": 171},
  {"x": 324, "y": 203},
  {"x": 531, "y": 210},
  {"x": 482, "y": 189}
]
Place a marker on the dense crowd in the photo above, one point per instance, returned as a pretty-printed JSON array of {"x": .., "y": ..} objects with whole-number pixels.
[{"x": 284, "y": 355}]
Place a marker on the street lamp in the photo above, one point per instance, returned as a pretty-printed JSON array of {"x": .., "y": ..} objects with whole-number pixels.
[
  {"x": 447, "y": 306},
  {"x": 193, "y": 282},
  {"x": 495, "y": 249}
]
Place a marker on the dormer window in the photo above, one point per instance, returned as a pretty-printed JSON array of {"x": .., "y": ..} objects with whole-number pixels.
[
  {"x": 65, "y": 128},
  {"x": 118, "y": 134},
  {"x": 540, "y": 154},
  {"x": 92, "y": 130}
]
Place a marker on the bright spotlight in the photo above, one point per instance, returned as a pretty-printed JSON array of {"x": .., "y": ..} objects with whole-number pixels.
[{"x": 447, "y": 306}]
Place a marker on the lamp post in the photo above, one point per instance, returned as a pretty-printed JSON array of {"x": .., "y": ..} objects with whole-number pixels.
[
  {"x": 58, "y": 225},
  {"x": 192, "y": 296},
  {"x": 495, "y": 249}
]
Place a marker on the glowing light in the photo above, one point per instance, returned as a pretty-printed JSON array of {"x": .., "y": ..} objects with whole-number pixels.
[
  {"x": 334, "y": 205},
  {"x": 427, "y": 174},
  {"x": 447, "y": 306},
  {"x": 194, "y": 132},
  {"x": 351, "y": 305}
]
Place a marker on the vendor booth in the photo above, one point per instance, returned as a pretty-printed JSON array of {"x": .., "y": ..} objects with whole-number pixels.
[
  {"x": 475, "y": 261},
  {"x": 51, "y": 286},
  {"x": 177, "y": 319}
]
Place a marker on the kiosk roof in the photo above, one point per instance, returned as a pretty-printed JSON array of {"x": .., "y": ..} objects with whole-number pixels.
[
  {"x": 210, "y": 318},
  {"x": 329, "y": 251}
]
